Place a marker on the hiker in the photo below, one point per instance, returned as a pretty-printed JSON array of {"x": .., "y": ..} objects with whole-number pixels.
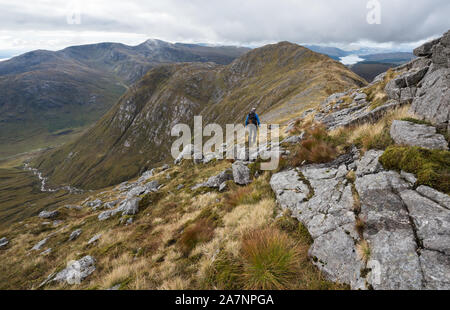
[{"x": 253, "y": 121}]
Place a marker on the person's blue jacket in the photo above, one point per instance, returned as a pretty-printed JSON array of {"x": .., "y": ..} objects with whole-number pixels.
[{"x": 257, "y": 119}]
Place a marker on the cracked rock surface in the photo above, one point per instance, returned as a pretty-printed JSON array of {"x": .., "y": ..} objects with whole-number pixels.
[
  {"x": 407, "y": 229},
  {"x": 417, "y": 135}
]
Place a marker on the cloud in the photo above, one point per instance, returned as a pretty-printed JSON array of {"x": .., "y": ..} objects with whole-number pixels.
[{"x": 43, "y": 23}]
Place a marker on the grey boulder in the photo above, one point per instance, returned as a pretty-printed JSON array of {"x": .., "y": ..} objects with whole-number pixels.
[
  {"x": 75, "y": 234},
  {"x": 127, "y": 207},
  {"x": 407, "y": 133},
  {"x": 3, "y": 242},
  {"x": 94, "y": 239},
  {"x": 293, "y": 139},
  {"x": 152, "y": 186},
  {"x": 48, "y": 214},
  {"x": 241, "y": 173},
  {"x": 136, "y": 191},
  {"x": 146, "y": 175},
  {"x": 218, "y": 180},
  {"x": 96, "y": 204},
  {"x": 76, "y": 271},
  {"x": 39, "y": 245}
]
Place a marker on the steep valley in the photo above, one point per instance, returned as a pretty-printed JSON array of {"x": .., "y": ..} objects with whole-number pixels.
[
  {"x": 44, "y": 93},
  {"x": 360, "y": 199},
  {"x": 280, "y": 80}
]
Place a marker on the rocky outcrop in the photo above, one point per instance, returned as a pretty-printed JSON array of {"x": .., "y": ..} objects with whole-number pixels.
[
  {"x": 145, "y": 176},
  {"x": 75, "y": 234},
  {"x": 94, "y": 239},
  {"x": 294, "y": 139},
  {"x": 407, "y": 230},
  {"x": 432, "y": 100},
  {"x": 39, "y": 245},
  {"x": 404, "y": 87},
  {"x": 389, "y": 231},
  {"x": 94, "y": 205},
  {"x": 48, "y": 214},
  {"x": 407, "y": 133},
  {"x": 358, "y": 112},
  {"x": 424, "y": 83},
  {"x": 241, "y": 173},
  {"x": 218, "y": 180},
  {"x": 127, "y": 207},
  {"x": 3, "y": 242},
  {"x": 75, "y": 273}
]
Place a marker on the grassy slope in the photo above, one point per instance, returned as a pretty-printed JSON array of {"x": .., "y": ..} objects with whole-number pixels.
[
  {"x": 20, "y": 194},
  {"x": 281, "y": 80},
  {"x": 178, "y": 241},
  {"x": 192, "y": 240},
  {"x": 36, "y": 105},
  {"x": 44, "y": 92}
]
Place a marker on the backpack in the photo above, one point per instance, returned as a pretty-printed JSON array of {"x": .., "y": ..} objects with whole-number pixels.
[{"x": 252, "y": 118}]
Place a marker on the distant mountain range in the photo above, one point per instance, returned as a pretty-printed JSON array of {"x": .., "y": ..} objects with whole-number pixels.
[
  {"x": 46, "y": 94},
  {"x": 281, "y": 80}
]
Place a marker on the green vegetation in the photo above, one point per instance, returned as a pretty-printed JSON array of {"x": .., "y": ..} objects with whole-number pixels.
[
  {"x": 416, "y": 121},
  {"x": 270, "y": 260},
  {"x": 269, "y": 75},
  {"x": 432, "y": 167},
  {"x": 375, "y": 141}
]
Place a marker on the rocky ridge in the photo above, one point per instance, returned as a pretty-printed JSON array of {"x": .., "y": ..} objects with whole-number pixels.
[
  {"x": 407, "y": 229},
  {"x": 424, "y": 83}
]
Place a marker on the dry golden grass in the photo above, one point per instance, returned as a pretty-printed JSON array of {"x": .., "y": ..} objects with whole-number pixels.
[
  {"x": 176, "y": 283},
  {"x": 372, "y": 135},
  {"x": 271, "y": 260},
  {"x": 363, "y": 250},
  {"x": 173, "y": 242}
]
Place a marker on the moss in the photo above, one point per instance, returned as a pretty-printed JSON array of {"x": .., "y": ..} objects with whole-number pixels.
[
  {"x": 416, "y": 121},
  {"x": 432, "y": 167},
  {"x": 294, "y": 228}
]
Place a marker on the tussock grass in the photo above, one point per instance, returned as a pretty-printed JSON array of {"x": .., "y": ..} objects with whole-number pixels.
[
  {"x": 317, "y": 147},
  {"x": 376, "y": 94},
  {"x": 179, "y": 240},
  {"x": 270, "y": 260},
  {"x": 201, "y": 231},
  {"x": 371, "y": 135},
  {"x": 363, "y": 250}
]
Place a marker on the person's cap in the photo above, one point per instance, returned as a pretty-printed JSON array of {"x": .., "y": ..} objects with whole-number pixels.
[{"x": 254, "y": 109}]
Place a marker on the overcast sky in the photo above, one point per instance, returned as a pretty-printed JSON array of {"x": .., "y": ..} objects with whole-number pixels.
[{"x": 43, "y": 24}]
